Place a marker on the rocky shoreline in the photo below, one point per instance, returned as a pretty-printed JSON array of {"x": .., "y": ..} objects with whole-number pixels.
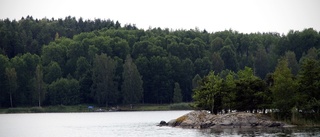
[{"x": 203, "y": 120}]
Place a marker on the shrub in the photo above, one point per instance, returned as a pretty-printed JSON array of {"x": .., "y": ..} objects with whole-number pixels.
[
  {"x": 180, "y": 106},
  {"x": 18, "y": 110},
  {"x": 36, "y": 110}
]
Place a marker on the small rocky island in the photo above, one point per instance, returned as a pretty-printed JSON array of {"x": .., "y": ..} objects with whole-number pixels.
[{"x": 203, "y": 120}]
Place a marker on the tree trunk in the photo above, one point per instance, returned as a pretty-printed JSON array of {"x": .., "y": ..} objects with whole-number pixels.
[{"x": 212, "y": 106}]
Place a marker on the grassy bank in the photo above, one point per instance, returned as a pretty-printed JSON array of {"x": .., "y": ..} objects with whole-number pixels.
[
  {"x": 47, "y": 109},
  {"x": 84, "y": 108},
  {"x": 157, "y": 107}
]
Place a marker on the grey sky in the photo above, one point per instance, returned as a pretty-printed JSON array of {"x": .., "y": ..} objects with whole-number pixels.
[{"x": 213, "y": 15}]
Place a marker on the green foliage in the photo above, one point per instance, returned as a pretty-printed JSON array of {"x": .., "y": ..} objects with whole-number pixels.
[
  {"x": 216, "y": 44},
  {"x": 250, "y": 91},
  {"x": 292, "y": 62},
  {"x": 158, "y": 83},
  {"x": 83, "y": 67},
  {"x": 208, "y": 94},
  {"x": 309, "y": 86},
  {"x": 54, "y": 53},
  {"x": 180, "y": 106},
  {"x": 54, "y": 72},
  {"x": 261, "y": 62},
  {"x": 36, "y": 110},
  {"x": 18, "y": 110},
  {"x": 4, "y": 61},
  {"x": 12, "y": 80},
  {"x": 202, "y": 66},
  {"x": 229, "y": 94},
  {"x": 242, "y": 91},
  {"x": 63, "y": 92},
  {"x": 104, "y": 88},
  {"x": 40, "y": 86},
  {"x": 196, "y": 81},
  {"x": 284, "y": 87},
  {"x": 120, "y": 47},
  {"x": 185, "y": 80},
  {"x": 229, "y": 57},
  {"x": 177, "y": 96},
  {"x": 69, "y": 48},
  {"x": 217, "y": 62},
  {"x": 49, "y": 109},
  {"x": 132, "y": 89}
]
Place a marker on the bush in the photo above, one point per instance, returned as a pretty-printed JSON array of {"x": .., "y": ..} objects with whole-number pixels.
[
  {"x": 180, "y": 106},
  {"x": 59, "y": 108},
  {"x": 18, "y": 110},
  {"x": 36, "y": 110}
]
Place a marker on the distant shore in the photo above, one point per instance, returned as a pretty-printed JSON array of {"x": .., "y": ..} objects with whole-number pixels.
[{"x": 93, "y": 108}]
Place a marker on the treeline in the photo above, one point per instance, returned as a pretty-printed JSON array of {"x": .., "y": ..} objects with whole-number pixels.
[
  {"x": 104, "y": 63},
  {"x": 29, "y": 35},
  {"x": 290, "y": 97}
]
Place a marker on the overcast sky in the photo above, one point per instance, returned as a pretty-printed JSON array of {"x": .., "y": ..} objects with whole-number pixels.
[{"x": 213, "y": 15}]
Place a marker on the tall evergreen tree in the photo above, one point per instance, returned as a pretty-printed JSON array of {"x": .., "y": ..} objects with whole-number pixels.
[
  {"x": 177, "y": 96},
  {"x": 132, "y": 86}
]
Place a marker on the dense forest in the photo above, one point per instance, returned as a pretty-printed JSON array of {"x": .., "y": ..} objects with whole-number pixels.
[{"x": 74, "y": 61}]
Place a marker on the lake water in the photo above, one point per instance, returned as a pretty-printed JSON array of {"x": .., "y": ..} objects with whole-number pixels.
[{"x": 120, "y": 124}]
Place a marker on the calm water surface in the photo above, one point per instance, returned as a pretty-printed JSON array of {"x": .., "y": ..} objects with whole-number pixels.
[{"x": 120, "y": 124}]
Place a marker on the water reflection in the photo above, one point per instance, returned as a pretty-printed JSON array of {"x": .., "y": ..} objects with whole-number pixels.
[{"x": 297, "y": 131}]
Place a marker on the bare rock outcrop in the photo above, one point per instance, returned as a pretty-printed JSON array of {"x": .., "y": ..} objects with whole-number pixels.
[{"x": 203, "y": 119}]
